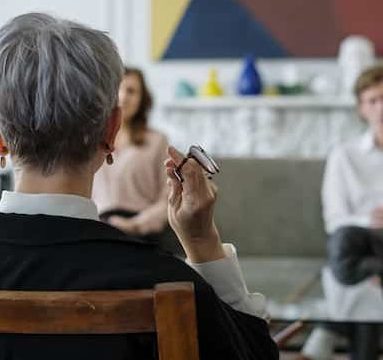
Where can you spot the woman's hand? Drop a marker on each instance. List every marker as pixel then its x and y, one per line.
pixel 190 210
pixel 127 225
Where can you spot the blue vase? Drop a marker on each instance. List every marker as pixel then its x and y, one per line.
pixel 250 82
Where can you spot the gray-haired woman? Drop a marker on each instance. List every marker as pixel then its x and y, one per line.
pixel 58 121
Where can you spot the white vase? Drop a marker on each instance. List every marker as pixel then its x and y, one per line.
pixel 356 53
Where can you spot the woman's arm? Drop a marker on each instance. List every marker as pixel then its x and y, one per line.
pixel 152 219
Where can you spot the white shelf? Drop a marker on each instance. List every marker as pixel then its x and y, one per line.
pixel 290 102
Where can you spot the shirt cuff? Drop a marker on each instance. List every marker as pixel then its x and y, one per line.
pixel 225 276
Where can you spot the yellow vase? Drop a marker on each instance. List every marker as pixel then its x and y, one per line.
pixel 212 86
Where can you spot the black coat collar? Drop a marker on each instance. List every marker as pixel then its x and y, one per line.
pixel 48 229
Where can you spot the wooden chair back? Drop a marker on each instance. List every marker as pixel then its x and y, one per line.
pixel 168 309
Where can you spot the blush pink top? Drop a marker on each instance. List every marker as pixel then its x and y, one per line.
pixel 136 181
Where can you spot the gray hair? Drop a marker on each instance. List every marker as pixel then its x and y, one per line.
pixel 58 86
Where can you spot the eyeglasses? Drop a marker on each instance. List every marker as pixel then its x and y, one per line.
pixel 203 159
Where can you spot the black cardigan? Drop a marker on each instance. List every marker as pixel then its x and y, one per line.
pixel 41 252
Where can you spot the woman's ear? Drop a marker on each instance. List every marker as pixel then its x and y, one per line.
pixel 3 147
pixel 112 126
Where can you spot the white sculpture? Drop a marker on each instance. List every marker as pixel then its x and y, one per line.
pixel 356 53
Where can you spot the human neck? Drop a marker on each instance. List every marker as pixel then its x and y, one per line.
pixel 61 182
pixel 122 138
pixel 378 139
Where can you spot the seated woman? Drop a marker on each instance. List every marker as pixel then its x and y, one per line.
pixel 131 193
pixel 58 120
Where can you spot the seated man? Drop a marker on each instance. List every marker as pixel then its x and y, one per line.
pixel 352 197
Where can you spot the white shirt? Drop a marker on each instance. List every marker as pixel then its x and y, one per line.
pixel 353 183
pixel 224 275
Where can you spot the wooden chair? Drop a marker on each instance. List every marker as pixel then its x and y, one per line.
pixel 166 310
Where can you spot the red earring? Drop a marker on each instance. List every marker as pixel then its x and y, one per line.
pixel 3 162
pixel 109 159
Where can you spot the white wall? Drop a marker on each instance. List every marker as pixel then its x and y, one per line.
pixel 92 12
pixel 105 15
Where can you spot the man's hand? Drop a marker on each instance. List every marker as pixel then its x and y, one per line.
pixel 377 218
pixel 376 280
pixel 190 210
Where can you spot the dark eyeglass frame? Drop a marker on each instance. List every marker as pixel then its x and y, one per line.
pixel 197 153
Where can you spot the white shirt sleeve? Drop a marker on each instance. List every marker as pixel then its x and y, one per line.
pixel 225 276
pixel 335 199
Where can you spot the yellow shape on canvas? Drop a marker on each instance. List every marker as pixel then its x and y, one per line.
pixel 166 16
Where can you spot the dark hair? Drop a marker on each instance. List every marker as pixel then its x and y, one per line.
pixel 138 125
pixel 370 77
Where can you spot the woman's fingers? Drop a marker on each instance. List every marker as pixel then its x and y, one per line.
pixel 175 188
pixel 175 155
pixel 197 190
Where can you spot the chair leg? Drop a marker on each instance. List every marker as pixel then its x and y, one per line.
pixel 176 322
